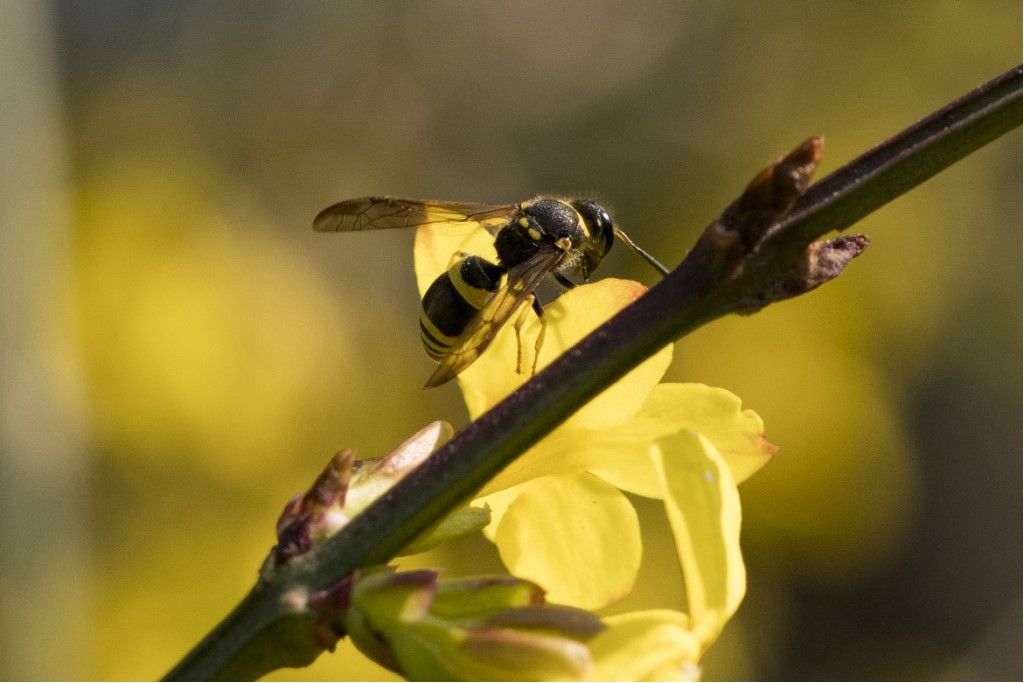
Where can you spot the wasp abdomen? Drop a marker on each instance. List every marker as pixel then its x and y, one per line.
pixel 453 299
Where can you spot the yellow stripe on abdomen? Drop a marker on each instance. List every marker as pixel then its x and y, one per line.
pixel 434 340
pixel 474 296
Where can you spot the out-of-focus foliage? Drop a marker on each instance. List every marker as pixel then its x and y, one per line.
pixel 207 312
pixel 227 350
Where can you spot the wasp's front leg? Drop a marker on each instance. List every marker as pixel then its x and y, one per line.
pixel 564 281
pixel 519 324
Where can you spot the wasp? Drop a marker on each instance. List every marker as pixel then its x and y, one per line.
pixel 466 306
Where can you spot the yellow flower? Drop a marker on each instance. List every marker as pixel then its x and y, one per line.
pixel 652 645
pixel 559 517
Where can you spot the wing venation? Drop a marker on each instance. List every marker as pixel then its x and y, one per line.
pixel 388 213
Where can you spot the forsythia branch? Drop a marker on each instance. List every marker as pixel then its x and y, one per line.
pixel 761 249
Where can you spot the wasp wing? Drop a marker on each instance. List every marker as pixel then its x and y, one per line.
pixel 522 280
pixel 385 213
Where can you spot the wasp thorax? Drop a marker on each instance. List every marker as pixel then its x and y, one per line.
pixel 542 222
pixel 555 220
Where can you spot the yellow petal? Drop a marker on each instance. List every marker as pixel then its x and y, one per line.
pixel 645 646
pixel 434 247
pixel 703 509
pixel 582 310
pixel 498 503
pixel 717 415
pixel 494 375
pixel 569 318
pixel 619 454
pixel 577 537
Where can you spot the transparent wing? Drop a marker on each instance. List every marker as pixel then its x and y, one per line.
pixel 386 213
pixel 522 280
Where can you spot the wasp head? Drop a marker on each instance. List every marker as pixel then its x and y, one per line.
pixel 600 233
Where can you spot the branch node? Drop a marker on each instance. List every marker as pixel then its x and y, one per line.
pixel 309 514
pixel 767 198
pixel 822 261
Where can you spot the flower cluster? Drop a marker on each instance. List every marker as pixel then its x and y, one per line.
pixel 559 516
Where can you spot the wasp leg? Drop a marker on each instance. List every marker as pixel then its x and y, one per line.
pixel 564 281
pixel 537 308
pixel 456 257
pixel 539 343
pixel 521 320
pixel 519 324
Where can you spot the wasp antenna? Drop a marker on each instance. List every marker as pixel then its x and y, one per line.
pixel 655 263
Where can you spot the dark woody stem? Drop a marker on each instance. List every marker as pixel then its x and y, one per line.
pixel 762 249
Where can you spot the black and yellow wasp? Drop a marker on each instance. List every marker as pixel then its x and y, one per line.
pixel 467 304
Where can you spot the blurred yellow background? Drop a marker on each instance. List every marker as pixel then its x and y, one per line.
pixel 181 353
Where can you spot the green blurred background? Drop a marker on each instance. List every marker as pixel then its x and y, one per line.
pixel 181 353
